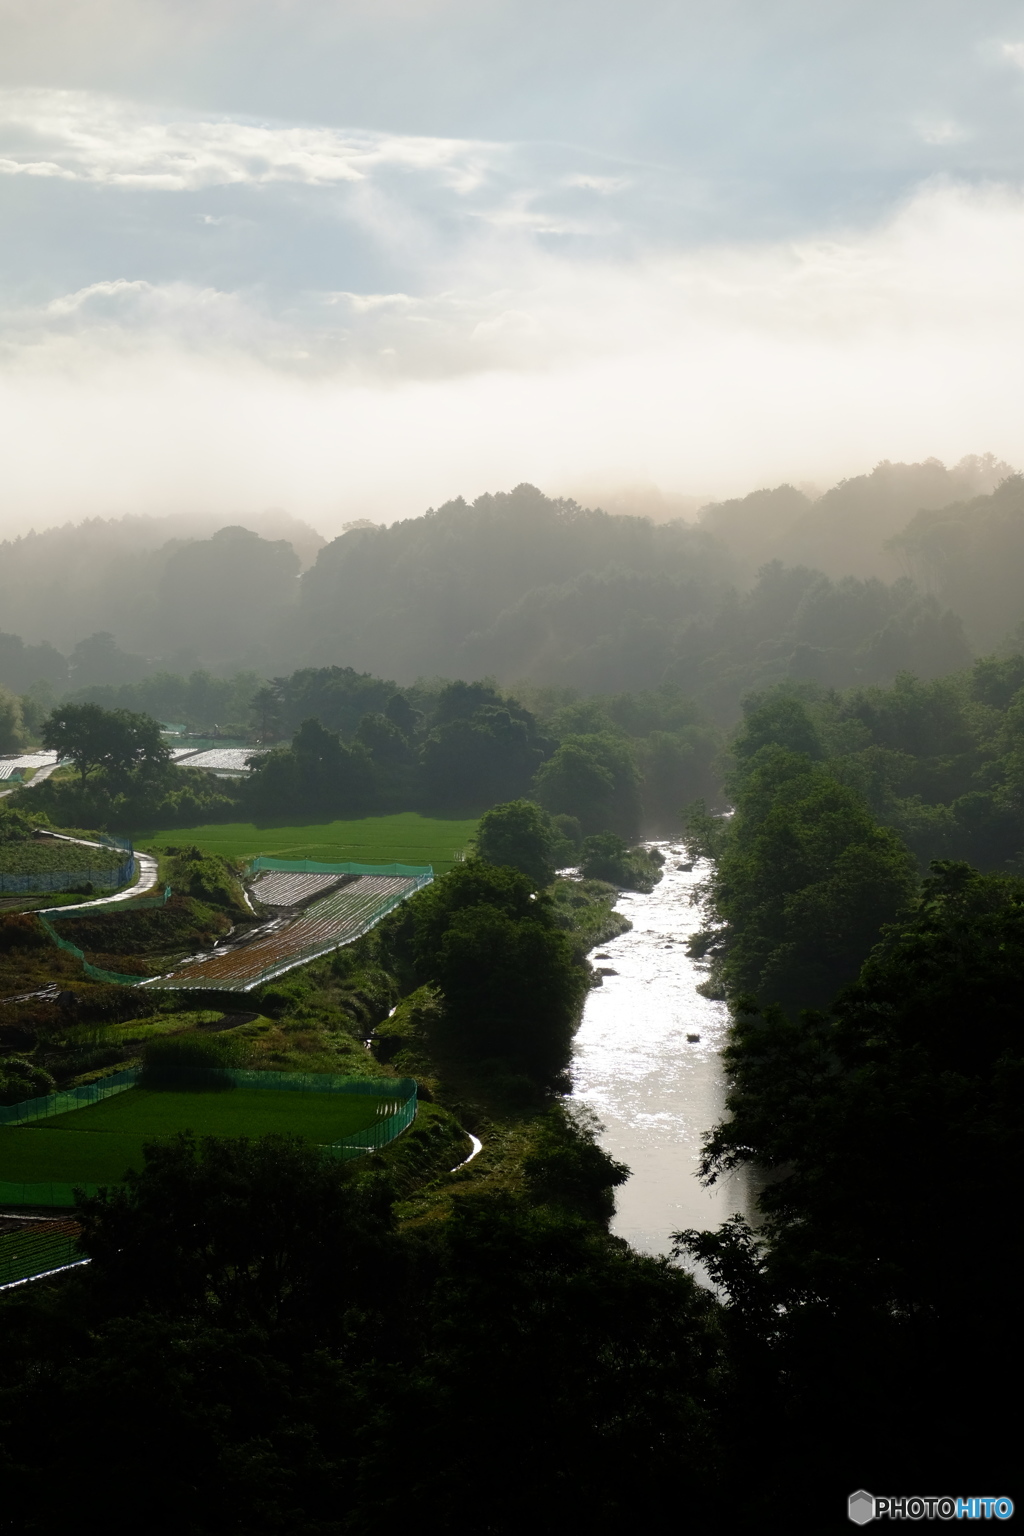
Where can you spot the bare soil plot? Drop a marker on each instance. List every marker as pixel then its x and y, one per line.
pixel 332 921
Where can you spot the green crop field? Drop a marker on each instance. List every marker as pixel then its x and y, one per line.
pixel 100 1142
pixel 32 858
pixel 407 838
pixel 28 1156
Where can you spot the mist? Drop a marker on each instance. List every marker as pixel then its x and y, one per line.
pixel 257 262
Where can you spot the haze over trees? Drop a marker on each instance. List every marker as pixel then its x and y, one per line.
pixel 911 567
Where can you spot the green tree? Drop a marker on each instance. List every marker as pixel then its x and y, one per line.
pixel 12 728
pixel 512 991
pixel 318 772
pixel 593 778
pixel 385 742
pixel 261 1232
pixel 607 857
pixel 266 710
pixel 475 761
pixel 777 720
pixel 520 835
pixel 472 884
pixel 890 1128
pixel 116 740
pixel 511 982
pixel 805 881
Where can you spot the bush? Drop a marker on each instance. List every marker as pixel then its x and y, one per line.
pixel 197 1063
pixel 206 878
pixel 568 1168
pixel 606 857
pixel 20 1079
pixel 20 931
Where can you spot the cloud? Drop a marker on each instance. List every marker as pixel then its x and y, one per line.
pixel 605 185
pixel 941 131
pixel 686 247
pixel 714 370
pixel 80 136
pixel 945 266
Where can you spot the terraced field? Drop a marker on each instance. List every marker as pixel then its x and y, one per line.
pixel 328 923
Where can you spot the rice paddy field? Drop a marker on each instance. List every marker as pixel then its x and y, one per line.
pixel 99 1143
pixel 406 838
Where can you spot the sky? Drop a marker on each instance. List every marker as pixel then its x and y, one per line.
pixel 354 259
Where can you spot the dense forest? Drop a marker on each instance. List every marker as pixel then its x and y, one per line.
pixel 912 567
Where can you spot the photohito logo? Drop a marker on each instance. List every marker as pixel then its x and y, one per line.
pixel 864 1506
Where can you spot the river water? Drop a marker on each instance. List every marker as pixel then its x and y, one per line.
pixel 656 1091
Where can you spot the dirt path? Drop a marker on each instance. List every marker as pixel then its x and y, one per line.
pixel 148 875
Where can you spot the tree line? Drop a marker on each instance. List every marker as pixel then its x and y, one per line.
pixel 614 766
pixel 774 585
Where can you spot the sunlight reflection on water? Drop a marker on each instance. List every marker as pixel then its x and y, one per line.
pixel 655 1092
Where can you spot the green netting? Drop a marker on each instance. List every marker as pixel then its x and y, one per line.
pixel 311 867
pixel 67 879
pixel 136 902
pixel 37 1249
pixel 401 1090
pixel 70 1098
pixel 95 971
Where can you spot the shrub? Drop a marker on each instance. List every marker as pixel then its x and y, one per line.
pixel 606 857
pixel 20 931
pixel 194 1062
pixel 21 1079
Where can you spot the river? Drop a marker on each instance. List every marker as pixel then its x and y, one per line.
pixel 656 1091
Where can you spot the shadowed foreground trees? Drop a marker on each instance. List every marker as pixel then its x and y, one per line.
pixel 892 1132
pixel 268 1354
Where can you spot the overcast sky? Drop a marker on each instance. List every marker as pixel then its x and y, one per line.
pixel 353 259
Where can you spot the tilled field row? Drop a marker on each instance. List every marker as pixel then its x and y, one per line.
pixel 332 921
pixel 287 888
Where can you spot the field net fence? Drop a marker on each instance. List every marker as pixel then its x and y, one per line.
pixel 312 867
pixel 96 972
pixel 398 1097
pixel 71 1098
pixel 68 879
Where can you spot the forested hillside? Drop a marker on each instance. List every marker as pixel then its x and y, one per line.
pixel 841 803
pixel 913 567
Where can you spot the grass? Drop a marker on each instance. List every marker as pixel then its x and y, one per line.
pixel 320 1117
pixel 97 1144
pixel 67 1157
pixel 407 838
pixel 141 1029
